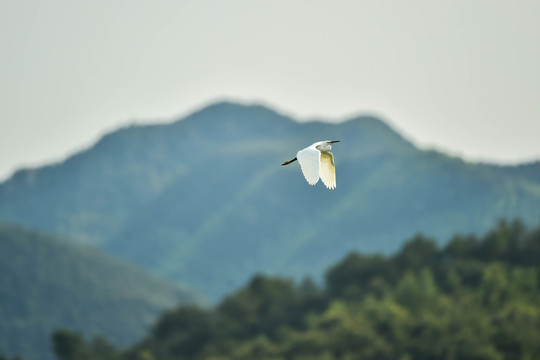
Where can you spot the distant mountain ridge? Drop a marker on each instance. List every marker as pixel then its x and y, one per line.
pixel 47 284
pixel 204 199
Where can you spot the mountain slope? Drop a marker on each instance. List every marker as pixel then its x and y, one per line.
pixel 204 200
pixel 46 284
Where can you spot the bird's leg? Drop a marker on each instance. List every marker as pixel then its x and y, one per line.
pixel 288 162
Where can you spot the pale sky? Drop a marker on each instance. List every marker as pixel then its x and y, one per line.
pixel 459 75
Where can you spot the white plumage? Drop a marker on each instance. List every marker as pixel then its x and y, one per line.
pixel 317 162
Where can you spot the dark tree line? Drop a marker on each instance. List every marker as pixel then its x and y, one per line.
pixel 474 298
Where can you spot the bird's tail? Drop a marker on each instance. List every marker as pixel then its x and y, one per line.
pixel 288 162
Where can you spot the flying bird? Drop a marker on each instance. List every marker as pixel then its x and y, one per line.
pixel 316 161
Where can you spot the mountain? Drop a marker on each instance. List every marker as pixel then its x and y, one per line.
pixel 204 200
pixel 47 284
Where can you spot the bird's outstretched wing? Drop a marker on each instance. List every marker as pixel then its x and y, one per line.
pixel 310 162
pixel 328 170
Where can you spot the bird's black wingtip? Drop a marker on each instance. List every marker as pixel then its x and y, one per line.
pixel 288 162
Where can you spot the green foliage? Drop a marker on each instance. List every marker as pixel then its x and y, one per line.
pixel 162 195
pixel 67 345
pixel 476 298
pixel 71 346
pixel 46 283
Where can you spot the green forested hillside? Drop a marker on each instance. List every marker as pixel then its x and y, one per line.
pixel 205 201
pixel 474 298
pixel 46 284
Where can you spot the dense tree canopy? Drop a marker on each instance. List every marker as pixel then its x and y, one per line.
pixel 476 298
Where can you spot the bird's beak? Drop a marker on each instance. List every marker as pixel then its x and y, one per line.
pixel 334 141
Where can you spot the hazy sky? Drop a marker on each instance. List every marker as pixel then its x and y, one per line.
pixel 462 76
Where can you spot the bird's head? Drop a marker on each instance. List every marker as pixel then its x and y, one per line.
pixel 326 145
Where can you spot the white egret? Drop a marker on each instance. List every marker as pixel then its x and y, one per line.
pixel 316 161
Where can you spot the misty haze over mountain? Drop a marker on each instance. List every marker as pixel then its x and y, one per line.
pixel 203 201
